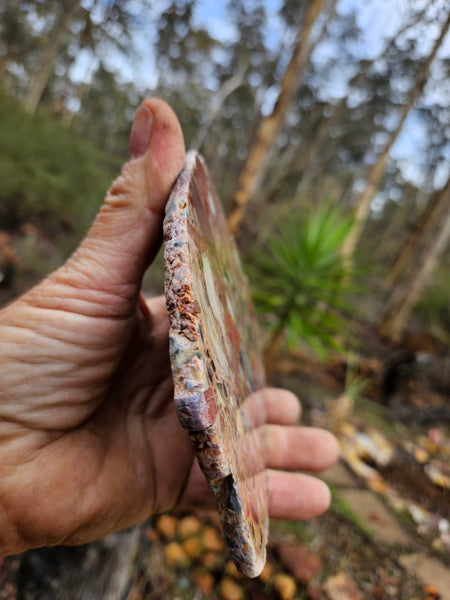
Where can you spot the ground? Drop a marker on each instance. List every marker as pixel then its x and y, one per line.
pixel 377 541
pixel 387 534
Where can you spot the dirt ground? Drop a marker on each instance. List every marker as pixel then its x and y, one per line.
pixel 385 537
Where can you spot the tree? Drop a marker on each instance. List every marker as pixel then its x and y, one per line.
pixel 39 78
pixel 106 109
pixel 298 281
pixel 71 28
pixel 419 257
pixel 377 170
pixel 412 242
pixel 270 126
pixel 16 37
pixel 186 64
pixel 216 106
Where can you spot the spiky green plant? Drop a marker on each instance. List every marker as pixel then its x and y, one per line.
pixel 300 280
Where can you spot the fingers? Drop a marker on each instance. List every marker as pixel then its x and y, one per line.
pixel 293 496
pixel 127 231
pixel 296 496
pixel 156 308
pixel 272 405
pixel 292 448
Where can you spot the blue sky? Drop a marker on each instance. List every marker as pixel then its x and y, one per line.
pixel 378 20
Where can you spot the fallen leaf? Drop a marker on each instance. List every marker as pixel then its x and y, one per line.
pixel 285 586
pixel 341 587
pixel 188 526
pixel 166 525
pixel 230 589
pixel 175 555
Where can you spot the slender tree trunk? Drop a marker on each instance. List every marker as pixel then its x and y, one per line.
pixel 266 137
pixel 414 238
pixel 39 79
pixel 377 170
pixel 216 106
pixel 434 240
pixel 287 161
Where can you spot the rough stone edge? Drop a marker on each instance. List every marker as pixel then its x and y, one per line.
pixel 185 351
pixel 186 364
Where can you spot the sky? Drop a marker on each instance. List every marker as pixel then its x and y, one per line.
pixel 378 20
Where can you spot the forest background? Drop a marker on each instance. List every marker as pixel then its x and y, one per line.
pixel 295 106
pixel 325 125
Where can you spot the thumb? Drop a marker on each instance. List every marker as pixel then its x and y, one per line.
pixel 126 234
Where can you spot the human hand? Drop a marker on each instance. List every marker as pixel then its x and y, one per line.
pixel 89 439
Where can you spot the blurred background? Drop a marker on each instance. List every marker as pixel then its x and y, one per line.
pixel 325 125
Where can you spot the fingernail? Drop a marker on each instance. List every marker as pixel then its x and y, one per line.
pixel 141 131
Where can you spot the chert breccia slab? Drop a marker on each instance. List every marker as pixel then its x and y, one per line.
pixel 216 360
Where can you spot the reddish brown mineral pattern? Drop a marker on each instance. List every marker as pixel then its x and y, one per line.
pixel 216 360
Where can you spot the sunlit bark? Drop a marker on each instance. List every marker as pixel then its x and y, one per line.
pixel 259 153
pixel 423 255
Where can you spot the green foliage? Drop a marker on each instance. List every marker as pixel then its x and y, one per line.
pixel 48 175
pixel 355 385
pixel 108 55
pixel 299 529
pixel 106 111
pixel 300 279
pixel 342 508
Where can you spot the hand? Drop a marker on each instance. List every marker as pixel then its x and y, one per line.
pixel 89 439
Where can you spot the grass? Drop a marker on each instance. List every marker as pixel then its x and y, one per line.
pixel 343 509
pixel 298 528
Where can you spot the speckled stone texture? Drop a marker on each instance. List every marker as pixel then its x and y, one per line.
pixel 216 360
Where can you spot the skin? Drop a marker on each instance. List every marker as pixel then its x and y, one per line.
pixel 89 439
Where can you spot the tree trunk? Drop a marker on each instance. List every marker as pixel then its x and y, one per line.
pixel 216 106
pixel 414 238
pixel 290 159
pixel 258 156
pixel 39 79
pixel 377 170
pixel 435 237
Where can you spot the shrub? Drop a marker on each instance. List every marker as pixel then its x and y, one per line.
pixel 48 175
pixel 300 279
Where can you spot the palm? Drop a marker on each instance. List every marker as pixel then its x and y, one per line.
pixel 89 438
pixel 104 441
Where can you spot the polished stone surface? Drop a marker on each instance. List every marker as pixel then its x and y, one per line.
pixel 216 360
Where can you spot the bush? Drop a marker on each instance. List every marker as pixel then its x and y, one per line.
pixel 48 176
pixel 300 279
